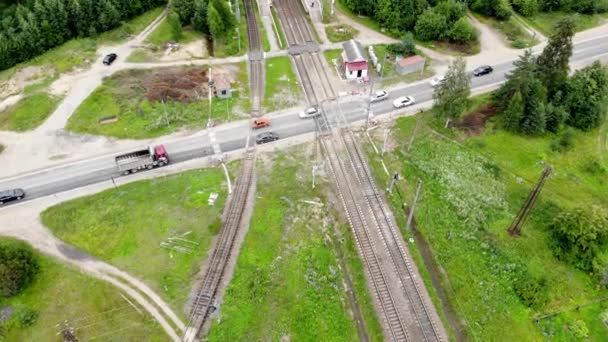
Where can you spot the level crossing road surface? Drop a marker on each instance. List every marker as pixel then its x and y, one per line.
pixel 233 136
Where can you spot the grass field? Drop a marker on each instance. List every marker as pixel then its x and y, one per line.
pixel 29 112
pixel 281 89
pixel 472 189
pixel 78 52
pixel 162 34
pixel 93 307
pixel 126 226
pixel 287 282
pixel 545 21
pixel 123 95
pixel 340 33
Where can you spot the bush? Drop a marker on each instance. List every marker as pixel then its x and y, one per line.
pixel 18 267
pixel 462 31
pixel 431 25
pixel 531 291
pixel 579 235
pixel 406 47
pixel 594 167
pixel 527 8
pixel 452 10
pixel 564 142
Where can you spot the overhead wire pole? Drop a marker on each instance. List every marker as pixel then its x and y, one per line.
pixel 524 211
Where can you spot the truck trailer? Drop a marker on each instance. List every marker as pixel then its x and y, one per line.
pixel 148 158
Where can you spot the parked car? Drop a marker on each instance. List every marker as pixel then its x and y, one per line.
pixel 378 96
pixel 109 58
pixel 482 70
pixel 260 123
pixel 403 101
pixel 437 81
pixel 11 195
pixel 310 112
pixel 266 137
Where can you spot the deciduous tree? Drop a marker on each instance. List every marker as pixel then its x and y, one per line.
pixel 451 97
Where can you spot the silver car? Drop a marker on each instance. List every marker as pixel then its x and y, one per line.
pixel 379 96
pixel 309 112
pixel 404 101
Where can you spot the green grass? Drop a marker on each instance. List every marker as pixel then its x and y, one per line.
pixel 471 192
pixel 126 226
pixel 281 89
pixel 28 113
pixel 340 33
pixel 287 283
pixel 123 95
pixel 512 30
pixel 545 21
pixel 95 308
pixel 279 28
pixel 162 34
pixel 365 21
pixel 2 147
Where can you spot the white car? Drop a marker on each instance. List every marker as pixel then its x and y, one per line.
pixel 403 101
pixel 309 112
pixel 378 96
pixel 437 81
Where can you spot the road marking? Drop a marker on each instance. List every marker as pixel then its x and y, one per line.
pixel 214 144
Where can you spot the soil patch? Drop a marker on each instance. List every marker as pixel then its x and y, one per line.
pixel 183 85
pixel 474 123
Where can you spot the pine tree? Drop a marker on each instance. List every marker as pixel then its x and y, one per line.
pixel 185 10
pixel 514 113
pixel 199 20
pixel 216 24
pixel 229 21
pixel 533 121
pixel 108 16
pixel 552 65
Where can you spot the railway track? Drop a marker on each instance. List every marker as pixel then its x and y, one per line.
pixel 395 325
pixel 256 58
pixel 203 303
pixel 428 330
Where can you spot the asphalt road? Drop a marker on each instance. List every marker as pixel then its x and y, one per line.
pixel 234 136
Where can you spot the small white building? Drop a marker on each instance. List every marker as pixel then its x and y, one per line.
pixel 354 63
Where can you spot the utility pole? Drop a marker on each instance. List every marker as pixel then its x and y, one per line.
pixel 411 214
pixel 524 211
pixel 392 183
pixel 409 145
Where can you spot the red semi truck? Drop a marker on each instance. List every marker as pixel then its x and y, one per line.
pixel 148 159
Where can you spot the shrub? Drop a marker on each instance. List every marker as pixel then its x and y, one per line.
pixel 594 167
pixel 18 267
pixel 527 8
pixel 462 31
pixel 531 291
pixel 452 10
pixel 579 235
pixel 431 25
pixel 406 47
pixel 564 142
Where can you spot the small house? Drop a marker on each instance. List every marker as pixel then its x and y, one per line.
pixel 354 63
pixel 221 86
pixel 409 65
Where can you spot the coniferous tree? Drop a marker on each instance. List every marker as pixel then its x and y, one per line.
pixel 514 113
pixel 185 10
pixel 553 66
pixel 199 20
pixel 216 24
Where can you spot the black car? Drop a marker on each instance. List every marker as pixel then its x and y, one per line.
pixel 11 195
pixel 108 59
pixel 267 137
pixel 482 70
